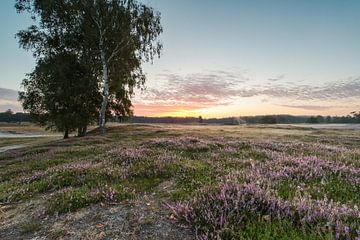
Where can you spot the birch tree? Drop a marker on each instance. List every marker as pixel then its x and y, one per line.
pixel 115 36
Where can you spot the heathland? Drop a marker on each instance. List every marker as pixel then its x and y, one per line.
pixel 183 182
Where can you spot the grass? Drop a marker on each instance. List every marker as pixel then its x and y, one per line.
pixel 70 200
pixel 133 161
pixel 192 175
pixel 30 227
pixel 338 189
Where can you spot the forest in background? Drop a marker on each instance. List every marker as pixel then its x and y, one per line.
pixel 11 117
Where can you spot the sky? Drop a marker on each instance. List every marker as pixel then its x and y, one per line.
pixel 235 58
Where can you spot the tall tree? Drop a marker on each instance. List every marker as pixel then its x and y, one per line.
pixel 115 36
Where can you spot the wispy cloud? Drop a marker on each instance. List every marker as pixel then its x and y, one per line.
pixel 330 91
pixel 8 94
pixel 198 90
pixel 276 78
pixel 307 107
pixel 217 88
pixel 220 88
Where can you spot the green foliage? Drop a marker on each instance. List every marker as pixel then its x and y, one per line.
pixel 142 184
pixel 112 38
pixel 337 189
pixel 286 190
pixel 61 93
pixel 191 177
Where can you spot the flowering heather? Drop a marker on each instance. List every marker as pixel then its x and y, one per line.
pixel 70 167
pixel 230 149
pixel 248 184
pixel 298 147
pixel 124 156
pixel 304 168
pixel 213 214
pixel 109 194
pixel 232 205
pixel 77 166
pixel 35 176
pixel 184 143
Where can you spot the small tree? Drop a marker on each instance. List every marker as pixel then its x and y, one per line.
pixel 61 94
pixel 356 116
pixel 201 120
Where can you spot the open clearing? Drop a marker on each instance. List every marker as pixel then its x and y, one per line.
pixel 183 182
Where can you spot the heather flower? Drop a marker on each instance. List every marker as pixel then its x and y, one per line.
pixel 77 166
pixel 108 193
pixel 184 143
pixel 35 176
pixel 209 214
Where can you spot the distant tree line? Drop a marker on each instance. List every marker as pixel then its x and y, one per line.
pixel 354 117
pixel 265 119
pixel 10 117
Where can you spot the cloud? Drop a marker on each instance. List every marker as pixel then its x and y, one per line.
pixel 8 94
pixel 197 90
pixel 329 91
pixel 276 78
pixel 221 87
pixel 307 107
pixel 8 100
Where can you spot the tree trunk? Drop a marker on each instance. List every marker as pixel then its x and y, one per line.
pixel 82 131
pixel 66 134
pixel 105 92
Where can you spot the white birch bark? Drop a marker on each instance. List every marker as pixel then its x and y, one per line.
pixel 105 91
pixel 105 71
pixel 105 81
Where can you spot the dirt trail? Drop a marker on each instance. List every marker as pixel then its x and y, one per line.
pixel 11 147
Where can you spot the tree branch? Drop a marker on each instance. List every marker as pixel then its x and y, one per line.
pixel 118 48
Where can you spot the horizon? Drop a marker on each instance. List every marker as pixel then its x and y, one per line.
pixel 254 58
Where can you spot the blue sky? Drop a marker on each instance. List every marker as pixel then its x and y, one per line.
pixel 232 57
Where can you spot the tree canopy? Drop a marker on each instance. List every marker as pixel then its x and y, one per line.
pixel 61 93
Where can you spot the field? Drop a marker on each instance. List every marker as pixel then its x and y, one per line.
pixel 184 182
